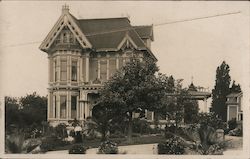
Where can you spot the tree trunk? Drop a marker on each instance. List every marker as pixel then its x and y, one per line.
pixel 130 131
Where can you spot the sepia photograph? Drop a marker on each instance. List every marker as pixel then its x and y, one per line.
pixel 125 78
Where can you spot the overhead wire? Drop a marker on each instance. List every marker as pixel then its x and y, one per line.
pixel 130 28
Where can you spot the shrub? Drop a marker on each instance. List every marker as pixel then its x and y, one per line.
pixel 212 120
pixel 77 149
pixel 52 142
pixel 141 126
pixel 232 124
pixel 171 146
pixel 117 134
pixel 108 147
pixel 61 130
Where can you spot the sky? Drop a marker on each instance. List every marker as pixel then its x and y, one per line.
pixel 193 48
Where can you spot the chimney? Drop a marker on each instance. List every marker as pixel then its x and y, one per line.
pixel 65 9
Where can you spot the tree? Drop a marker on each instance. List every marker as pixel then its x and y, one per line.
pixel 26 114
pixel 235 88
pixel 221 90
pixel 12 117
pixel 134 89
pixel 173 102
pixel 191 110
pixel 34 109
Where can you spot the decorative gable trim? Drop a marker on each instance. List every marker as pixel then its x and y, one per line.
pixel 127 39
pixel 65 20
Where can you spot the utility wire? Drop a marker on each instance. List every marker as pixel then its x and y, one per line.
pixel 198 18
pixel 130 28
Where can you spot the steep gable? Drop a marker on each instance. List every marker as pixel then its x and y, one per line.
pixel 64 20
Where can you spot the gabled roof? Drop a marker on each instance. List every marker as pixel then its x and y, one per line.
pixel 105 34
pixel 145 31
pixel 235 94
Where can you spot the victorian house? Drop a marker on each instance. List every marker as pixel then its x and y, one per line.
pixel 82 55
pixel 234 106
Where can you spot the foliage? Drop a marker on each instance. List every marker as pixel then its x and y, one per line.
pixel 221 90
pixel 171 146
pixel 103 117
pixel 14 143
pixel 28 115
pixel 90 128
pixel 235 88
pixel 117 134
pixel 52 142
pixel 108 147
pixel 77 149
pixel 61 130
pixel 191 110
pixel 232 124
pixel 212 120
pixel 134 89
pixel 141 126
pixel 172 103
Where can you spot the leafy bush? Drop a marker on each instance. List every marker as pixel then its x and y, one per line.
pixel 61 130
pixel 141 126
pixel 212 120
pixel 171 146
pixel 52 142
pixel 108 147
pixel 77 149
pixel 232 124
pixel 117 134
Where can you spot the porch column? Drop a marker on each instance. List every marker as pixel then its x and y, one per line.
pixel 205 104
pixel 49 106
pixel 58 106
pixel 80 70
pixel 87 67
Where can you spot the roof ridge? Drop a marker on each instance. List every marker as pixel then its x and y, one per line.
pixel 105 18
pixel 140 26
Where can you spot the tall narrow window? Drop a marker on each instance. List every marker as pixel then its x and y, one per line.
pixel 63 70
pixel 103 69
pixel 112 67
pixel 54 107
pixel 120 62
pixel 73 107
pixel 93 69
pixel 63 107
pixel 74 71
pixel 55 70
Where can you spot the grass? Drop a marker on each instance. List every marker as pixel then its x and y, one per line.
pixel 95 143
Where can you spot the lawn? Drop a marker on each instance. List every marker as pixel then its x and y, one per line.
pixel 95 143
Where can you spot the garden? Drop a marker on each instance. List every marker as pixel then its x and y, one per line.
pixel 135 89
